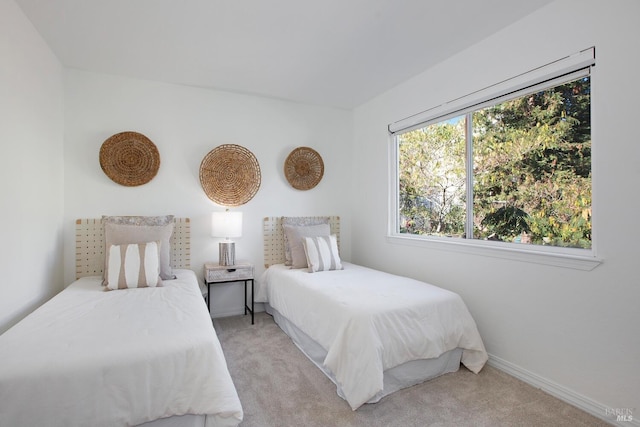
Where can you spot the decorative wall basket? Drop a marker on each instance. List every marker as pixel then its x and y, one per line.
pixel 129 158
pixel 303 168
pixel 230 175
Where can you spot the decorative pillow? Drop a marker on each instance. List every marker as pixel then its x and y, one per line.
pixel 299 221
pixel 134 265
pixel 125 230
pixel 295 234
pixel 322 253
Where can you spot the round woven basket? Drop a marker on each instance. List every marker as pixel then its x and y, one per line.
pixel 129 158
pixel 230 175
pixel 303 168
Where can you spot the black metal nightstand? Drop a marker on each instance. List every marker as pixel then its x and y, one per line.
pixel 240 272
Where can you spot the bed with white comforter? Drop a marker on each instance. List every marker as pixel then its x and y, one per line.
pixel 368 322
pixel 89 357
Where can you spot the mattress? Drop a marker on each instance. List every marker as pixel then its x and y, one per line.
pixel 117 358
pixel 369 322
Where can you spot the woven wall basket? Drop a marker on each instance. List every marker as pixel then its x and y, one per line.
pixel 303 168
pixel 230 175
pixel 129 158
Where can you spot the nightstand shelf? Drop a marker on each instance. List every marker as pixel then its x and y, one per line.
pixel 240 272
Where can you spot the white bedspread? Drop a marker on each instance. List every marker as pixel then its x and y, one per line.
pixel 120 358
pixel 369 321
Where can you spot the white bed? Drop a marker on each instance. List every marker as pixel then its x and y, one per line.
pixel 370 332
pixel 118 358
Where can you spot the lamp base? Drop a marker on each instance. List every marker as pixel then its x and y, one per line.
pixel 227 253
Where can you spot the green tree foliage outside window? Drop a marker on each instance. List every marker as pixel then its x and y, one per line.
pixel 531 178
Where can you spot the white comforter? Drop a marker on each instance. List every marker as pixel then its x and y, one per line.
pixel 94 358
pixel 369 321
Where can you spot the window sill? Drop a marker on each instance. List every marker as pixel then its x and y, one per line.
pixel 563 257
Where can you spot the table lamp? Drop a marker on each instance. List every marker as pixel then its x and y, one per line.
pixel 226 224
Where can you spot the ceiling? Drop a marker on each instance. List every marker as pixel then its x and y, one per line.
pixel 336 53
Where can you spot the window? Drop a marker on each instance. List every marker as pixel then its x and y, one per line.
pixel 511 164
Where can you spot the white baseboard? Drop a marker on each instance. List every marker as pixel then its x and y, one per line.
pixel 592 407
pixel 227 313
pixel 237 311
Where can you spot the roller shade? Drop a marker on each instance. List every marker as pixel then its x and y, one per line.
pixel 553 74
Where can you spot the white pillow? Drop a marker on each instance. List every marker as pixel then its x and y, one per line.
pixel 295 234
pixel 134 265
pixel 322 253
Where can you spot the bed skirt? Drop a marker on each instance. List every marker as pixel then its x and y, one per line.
pixel 402 376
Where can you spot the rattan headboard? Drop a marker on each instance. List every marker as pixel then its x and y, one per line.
pixel 90 246
pixel 273 236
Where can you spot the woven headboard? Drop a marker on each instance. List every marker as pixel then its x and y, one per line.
pixel 273 236
pixel 90 246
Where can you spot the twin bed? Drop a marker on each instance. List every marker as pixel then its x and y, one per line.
pixel 137 356
pixel 370 332
pixel 150 356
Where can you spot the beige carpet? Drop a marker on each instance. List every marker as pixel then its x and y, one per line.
pixel 279 386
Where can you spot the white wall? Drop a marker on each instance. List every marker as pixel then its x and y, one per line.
pixel 572 329
pixel 31 167
pixel 185 123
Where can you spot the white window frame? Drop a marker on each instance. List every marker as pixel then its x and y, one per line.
pixel 562 70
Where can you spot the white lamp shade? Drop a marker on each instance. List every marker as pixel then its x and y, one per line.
pixel 226 224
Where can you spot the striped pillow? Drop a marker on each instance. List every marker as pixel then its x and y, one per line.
pixel 135 265
pixel 322 253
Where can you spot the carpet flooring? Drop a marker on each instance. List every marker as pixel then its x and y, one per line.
pixel 279 386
